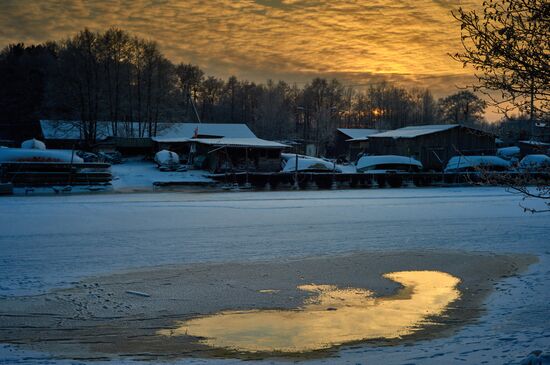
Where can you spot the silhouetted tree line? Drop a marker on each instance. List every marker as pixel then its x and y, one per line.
pixel 114 76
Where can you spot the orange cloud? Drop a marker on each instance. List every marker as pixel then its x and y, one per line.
pixel 406 41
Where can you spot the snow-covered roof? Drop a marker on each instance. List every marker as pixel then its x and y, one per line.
pixel 414 131
pixel 237 142
pixel 370 162
pixel 70 129
pixel 457 163
pixel 171 132
pixel 358 133
pixel 181 132
pixel 535 143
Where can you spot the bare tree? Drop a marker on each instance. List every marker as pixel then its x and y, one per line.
pixel 508 44
pixel 189 80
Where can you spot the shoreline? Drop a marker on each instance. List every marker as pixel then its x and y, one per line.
pixel 99 318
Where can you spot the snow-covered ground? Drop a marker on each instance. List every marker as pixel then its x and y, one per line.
pixel 136 174
pixel 52 241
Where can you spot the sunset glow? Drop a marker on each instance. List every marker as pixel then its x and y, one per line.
pixel 356 41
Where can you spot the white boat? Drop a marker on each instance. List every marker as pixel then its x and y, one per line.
pixel 474 163
pixel 386 163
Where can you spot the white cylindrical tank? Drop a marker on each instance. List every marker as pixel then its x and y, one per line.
pixel 167 158
pixel 33 144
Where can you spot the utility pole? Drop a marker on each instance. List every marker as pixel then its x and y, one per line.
pixel 532 111
pixel 194 108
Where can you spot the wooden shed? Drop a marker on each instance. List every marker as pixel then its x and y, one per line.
pixel 220 155
pixel 221 147
pixel 349 142
pixel 531 147
pixel 433 145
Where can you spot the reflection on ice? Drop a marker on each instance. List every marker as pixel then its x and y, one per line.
pixel 331 317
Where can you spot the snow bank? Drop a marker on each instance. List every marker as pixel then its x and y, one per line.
pixel 388 162
pixel 167 158
pixel 38 155
pixel 535 162
pixel 465 163
pixel 33 144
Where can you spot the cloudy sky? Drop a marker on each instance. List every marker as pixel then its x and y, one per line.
pixel 357 41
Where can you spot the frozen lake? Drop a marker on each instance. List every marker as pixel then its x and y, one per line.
pixel 51 241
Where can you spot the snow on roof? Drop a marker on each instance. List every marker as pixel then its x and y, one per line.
pixel 414 131
pixel 64 129
pixel 457 163
pixel 237 142
pixel 535 143
pixel 180 132
pixel 71 129
pixel 358 133
pixel 370 162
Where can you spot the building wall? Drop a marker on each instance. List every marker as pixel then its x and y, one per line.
pixel 434 150
pixel 341 147
pixel 234 160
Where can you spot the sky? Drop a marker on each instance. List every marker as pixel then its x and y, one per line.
pixel 356 41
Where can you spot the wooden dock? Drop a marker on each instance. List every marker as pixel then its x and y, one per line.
pixel 330 180
pixel 54 173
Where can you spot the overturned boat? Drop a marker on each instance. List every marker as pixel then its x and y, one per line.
pixel 388 163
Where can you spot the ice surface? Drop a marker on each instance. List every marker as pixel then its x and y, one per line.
pixel 51 241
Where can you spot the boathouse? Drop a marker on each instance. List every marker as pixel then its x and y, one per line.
pixel 433 145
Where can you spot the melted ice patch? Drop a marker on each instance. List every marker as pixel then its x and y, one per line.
pixel 331 317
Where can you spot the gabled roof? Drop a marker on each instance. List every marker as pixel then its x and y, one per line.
pixel 415 131
pixel 180 132
pixel 166 132
pixel 358 133
pixel 238 142
pixel 70 129
pixel 535 143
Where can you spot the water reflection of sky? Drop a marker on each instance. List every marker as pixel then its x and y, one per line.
pixel 331 317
